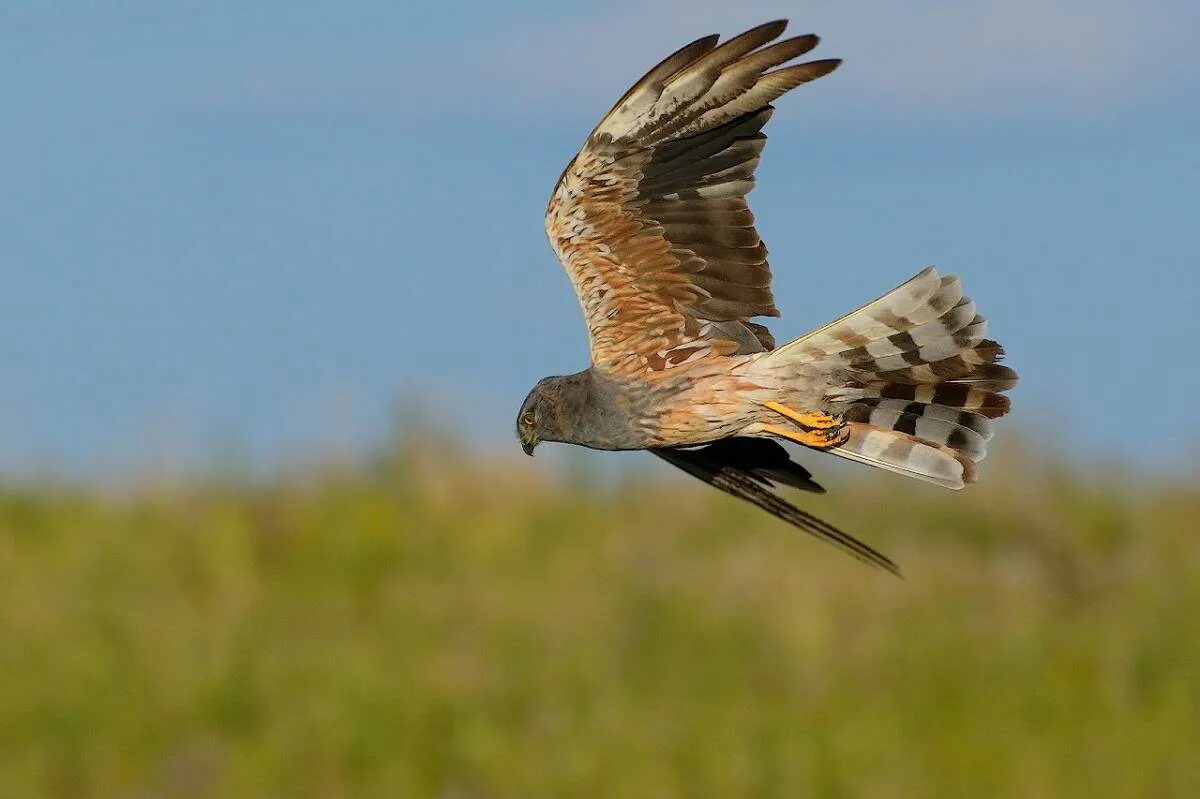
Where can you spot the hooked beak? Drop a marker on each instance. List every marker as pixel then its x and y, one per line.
pixel 528 445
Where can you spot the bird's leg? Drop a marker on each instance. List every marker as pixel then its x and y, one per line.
pixel 818 430
pixel 817 439
pixel 809 420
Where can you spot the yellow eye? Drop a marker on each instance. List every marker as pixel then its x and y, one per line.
pixel 527 420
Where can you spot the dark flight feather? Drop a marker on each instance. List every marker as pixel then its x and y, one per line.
pixel 747 468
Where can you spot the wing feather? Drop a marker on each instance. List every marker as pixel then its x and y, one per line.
pixel 650 219
pixel 747 468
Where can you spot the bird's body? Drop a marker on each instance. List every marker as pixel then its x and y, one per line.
pixel 701 402
pixel 651 222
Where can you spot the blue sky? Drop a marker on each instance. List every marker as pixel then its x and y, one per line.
pixel 264 229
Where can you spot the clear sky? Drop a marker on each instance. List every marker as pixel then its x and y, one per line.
pixel 265 227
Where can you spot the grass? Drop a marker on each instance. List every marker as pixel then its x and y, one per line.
pixel 443 626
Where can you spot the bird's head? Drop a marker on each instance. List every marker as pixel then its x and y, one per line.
pixel 555 410
pixel 551 411
pixel 532 419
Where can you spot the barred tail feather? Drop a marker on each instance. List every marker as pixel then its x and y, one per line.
pixel 918 381
pixel 866 333
pixel 906 454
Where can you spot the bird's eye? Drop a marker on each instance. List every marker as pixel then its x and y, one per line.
pixel 527 420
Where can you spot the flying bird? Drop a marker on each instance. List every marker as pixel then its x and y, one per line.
pixel 651 223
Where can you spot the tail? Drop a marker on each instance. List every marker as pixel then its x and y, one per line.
pixel 916 380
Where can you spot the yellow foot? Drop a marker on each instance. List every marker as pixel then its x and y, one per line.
pixel 809 420
pixel 817 429
pixel 817 439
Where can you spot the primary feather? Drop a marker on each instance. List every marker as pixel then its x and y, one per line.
pixel 650 219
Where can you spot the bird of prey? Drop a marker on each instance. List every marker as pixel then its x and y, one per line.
pixel 651 223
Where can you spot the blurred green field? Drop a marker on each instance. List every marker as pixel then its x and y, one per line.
pixel 434 625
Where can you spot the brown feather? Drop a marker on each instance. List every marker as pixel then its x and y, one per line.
pixel 747 477
pixel 650 218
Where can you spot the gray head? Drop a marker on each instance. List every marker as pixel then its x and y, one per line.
pixel 552 410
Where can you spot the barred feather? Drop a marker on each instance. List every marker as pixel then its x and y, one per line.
pixel 875 330
pixel 930 427
pixel 907 455
pixel 651 219
pixel 921 381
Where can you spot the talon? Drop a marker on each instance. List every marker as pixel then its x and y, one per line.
pixel 839 435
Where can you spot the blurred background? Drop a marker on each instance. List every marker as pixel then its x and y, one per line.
pixel 276 284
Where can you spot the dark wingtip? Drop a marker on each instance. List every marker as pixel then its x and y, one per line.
pixel 713 465
pixel 826 65
pixel 776 26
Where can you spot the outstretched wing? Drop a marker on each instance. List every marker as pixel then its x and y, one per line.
pixel 748 468
pixel 650 218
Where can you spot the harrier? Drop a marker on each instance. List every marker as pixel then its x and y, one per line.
pixel 650 221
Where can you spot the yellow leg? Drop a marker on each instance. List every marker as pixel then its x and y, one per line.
pixel 817 439
pixel 810 420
